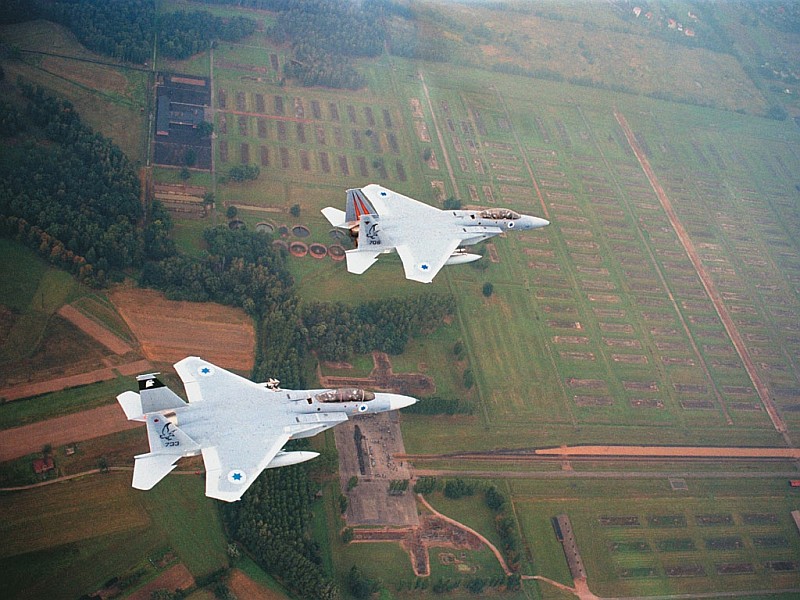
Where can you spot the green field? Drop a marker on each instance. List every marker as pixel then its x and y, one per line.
pixel 75 536
pixel 636 543
pixel 599 330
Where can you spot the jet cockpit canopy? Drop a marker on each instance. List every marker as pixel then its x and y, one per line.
pixel 346 395
pixel 498 214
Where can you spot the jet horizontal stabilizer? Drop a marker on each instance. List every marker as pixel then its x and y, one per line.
pixel 151 468
pixel 335 216
pixel 359 261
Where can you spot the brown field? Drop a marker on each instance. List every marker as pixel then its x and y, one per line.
pixel 90 75
pixel 60 431
pixel 170 330
pixel 176 577
pixel 244 587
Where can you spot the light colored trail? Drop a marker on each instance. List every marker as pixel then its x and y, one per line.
pixel 706 280
pixel 489 544
pixel 439 135
pixel 671 451
pixel 95 330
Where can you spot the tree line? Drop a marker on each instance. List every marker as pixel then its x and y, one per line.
pixel 126 29
pixel 68 192
pixel 336 331
pixel 327 35
pixel 182 33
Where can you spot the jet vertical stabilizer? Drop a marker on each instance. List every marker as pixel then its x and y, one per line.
pixel 357 206
pixel 155 396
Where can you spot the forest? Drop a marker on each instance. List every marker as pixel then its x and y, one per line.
pixel 271 521
pixel 68 192
pixel 125 29
pixel 181 33
pixel 337 331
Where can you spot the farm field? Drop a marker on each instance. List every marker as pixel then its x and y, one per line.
pixel 629 320
pixel 645 542
pixel 78 545
pixel 615 338
pixel 168 331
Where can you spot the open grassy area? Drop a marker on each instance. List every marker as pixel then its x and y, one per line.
pixel 57 540
pixel 637 541
pixel 112 100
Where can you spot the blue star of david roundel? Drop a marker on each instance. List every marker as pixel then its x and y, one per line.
pixel 205 370
pixel 237 476
pixel 424 267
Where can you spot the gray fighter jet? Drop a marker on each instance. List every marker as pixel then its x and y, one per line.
pixel 239 426
pixel 426 238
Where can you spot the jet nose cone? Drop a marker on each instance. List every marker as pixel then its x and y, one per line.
pixel 397 401
pixel 528 222
pixel 537 222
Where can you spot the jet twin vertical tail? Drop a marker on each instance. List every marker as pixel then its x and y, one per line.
pixel 357 206
pixel 156 396
pixel 370 245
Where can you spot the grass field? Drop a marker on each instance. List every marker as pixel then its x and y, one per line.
pixel 108 98
pixel 55 539
pixel 633 542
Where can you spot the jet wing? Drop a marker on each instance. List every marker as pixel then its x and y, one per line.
pixel 204 380
pixel 423 258
pixel 391 204
pixel 233 464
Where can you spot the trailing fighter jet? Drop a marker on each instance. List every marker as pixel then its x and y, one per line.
pixel 426 238
pixel 238 426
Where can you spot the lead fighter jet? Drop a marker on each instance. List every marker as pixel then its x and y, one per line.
pixel 426 238
pixel 238 426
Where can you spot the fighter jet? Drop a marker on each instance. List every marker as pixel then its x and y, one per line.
pixel 426 238
pixel 240 427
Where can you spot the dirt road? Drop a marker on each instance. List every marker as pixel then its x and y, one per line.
pixel 26 390
pixel 78 427
pixel 707 281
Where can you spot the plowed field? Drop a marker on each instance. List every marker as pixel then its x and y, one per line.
pixel 169 330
